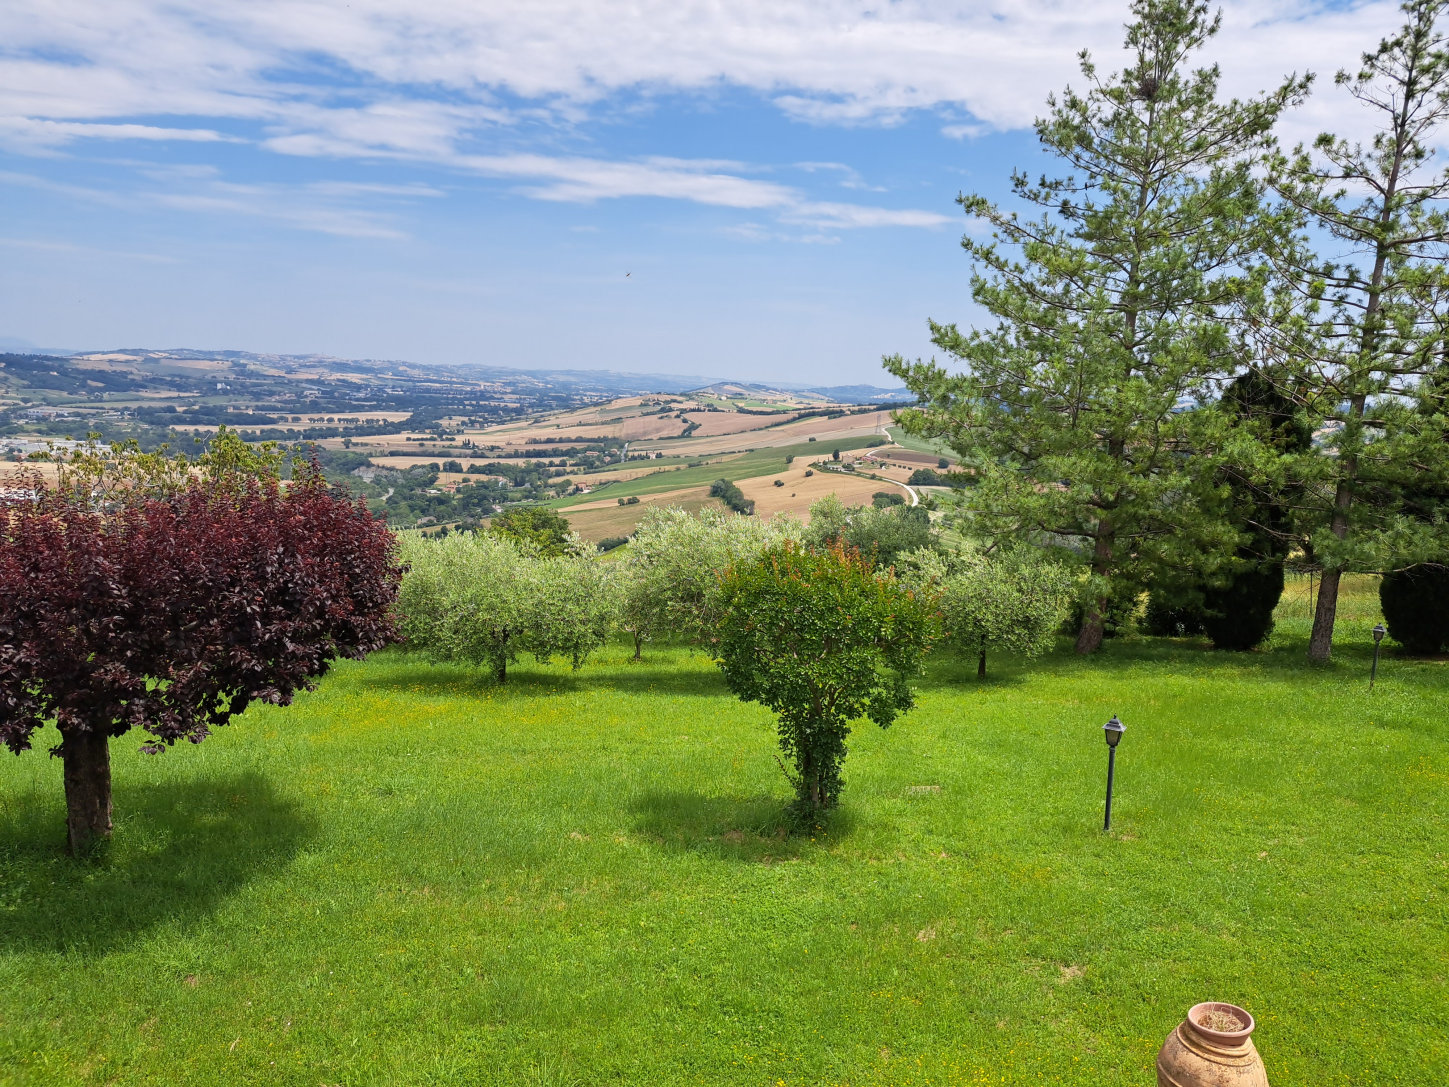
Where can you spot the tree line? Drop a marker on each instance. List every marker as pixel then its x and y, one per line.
pixel 823 623
pixel 1208 354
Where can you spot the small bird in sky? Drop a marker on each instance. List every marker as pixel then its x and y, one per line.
pixel 628 274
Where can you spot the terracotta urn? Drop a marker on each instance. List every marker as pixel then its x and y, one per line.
pixel 1212 1047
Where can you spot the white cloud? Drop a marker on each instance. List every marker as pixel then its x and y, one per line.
pixel 325 207
pixel 44 133
pixel 964 132
pixel 485 87
pixel 45 245
pixel 415 78
pixel 585 180
pixel 844 216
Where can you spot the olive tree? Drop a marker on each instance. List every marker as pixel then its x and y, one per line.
pixel 484 599
pixel 465 597
pixel 670 576
pixel 574 606
pixel 1012 602
pixel 882 533
pixel 822 639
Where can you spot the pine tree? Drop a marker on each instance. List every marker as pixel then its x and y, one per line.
pixel 1110 313
pixel 1237 611
pixel 1364 330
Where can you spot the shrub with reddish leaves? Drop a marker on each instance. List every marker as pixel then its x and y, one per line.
pixel 173 613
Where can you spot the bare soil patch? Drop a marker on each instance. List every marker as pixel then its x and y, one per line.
pixel 798 493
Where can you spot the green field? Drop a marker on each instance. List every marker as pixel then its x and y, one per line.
pixel 734 466
pixel 921 445
pixel 413 877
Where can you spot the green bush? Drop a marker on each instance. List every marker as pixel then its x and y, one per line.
pixel 1416 607
pixel 1239 614
pixel 821 639
pixel 1169 616
pixel 726 491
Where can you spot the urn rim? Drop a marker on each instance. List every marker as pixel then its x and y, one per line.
pixel 1198 1012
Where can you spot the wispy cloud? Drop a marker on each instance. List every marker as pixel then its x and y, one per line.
pixel 849 176
pixel 340 208
pixel 46 245
pixel 373 77
pixel 497 89
pixel 585 180
pixel 46 133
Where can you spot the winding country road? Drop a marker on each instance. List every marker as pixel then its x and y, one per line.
pixel 870 455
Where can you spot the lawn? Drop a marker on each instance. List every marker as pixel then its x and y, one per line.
pixel 413 877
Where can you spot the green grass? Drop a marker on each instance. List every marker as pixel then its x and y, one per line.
pixel 921 445
pixel 413 877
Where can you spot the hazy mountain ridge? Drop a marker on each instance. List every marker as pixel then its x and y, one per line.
pixel 250 374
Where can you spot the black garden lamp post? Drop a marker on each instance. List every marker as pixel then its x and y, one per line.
pixel 1379 633
pixel 1113 729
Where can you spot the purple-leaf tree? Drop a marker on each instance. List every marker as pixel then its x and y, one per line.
pixel 172 612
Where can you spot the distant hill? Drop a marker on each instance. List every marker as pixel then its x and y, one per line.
pixel 290 380
pixel 864 394
pixel 382 383
pixel 825 394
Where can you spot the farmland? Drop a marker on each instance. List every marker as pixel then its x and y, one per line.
pixel 435 447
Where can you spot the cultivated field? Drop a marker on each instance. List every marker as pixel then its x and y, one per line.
pixel 412 877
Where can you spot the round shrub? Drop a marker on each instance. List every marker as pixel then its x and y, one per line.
pixel 1169 617
pixel 1416 607
pixel 1240 614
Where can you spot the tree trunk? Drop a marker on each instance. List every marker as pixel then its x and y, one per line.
pixel 981 661
pixel 810 779
pixel 502 669
pixel 1320 642
pixel 87 758
pixel 1089 638
pixel 1094 623
pixel 638 646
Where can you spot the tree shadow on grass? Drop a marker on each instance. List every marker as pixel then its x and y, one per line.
pixel 638 678
pixel 180 850
pixel 757 829
pixel 526 680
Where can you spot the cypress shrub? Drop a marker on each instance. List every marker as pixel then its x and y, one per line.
pixel 1169 616
pixel 1239 615
pixel 1416 607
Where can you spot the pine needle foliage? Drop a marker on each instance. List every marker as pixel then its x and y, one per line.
pixel 1110 310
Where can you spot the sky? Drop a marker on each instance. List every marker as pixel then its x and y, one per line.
pixel 753 189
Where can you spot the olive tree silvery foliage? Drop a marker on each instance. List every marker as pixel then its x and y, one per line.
pixel 1011 602
pixel 484 599
pixel 670 575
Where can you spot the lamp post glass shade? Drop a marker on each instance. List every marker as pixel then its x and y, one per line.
pixel 1379 633
pixel 1113 730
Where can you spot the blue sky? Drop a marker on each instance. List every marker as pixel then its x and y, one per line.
pixel 459 181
